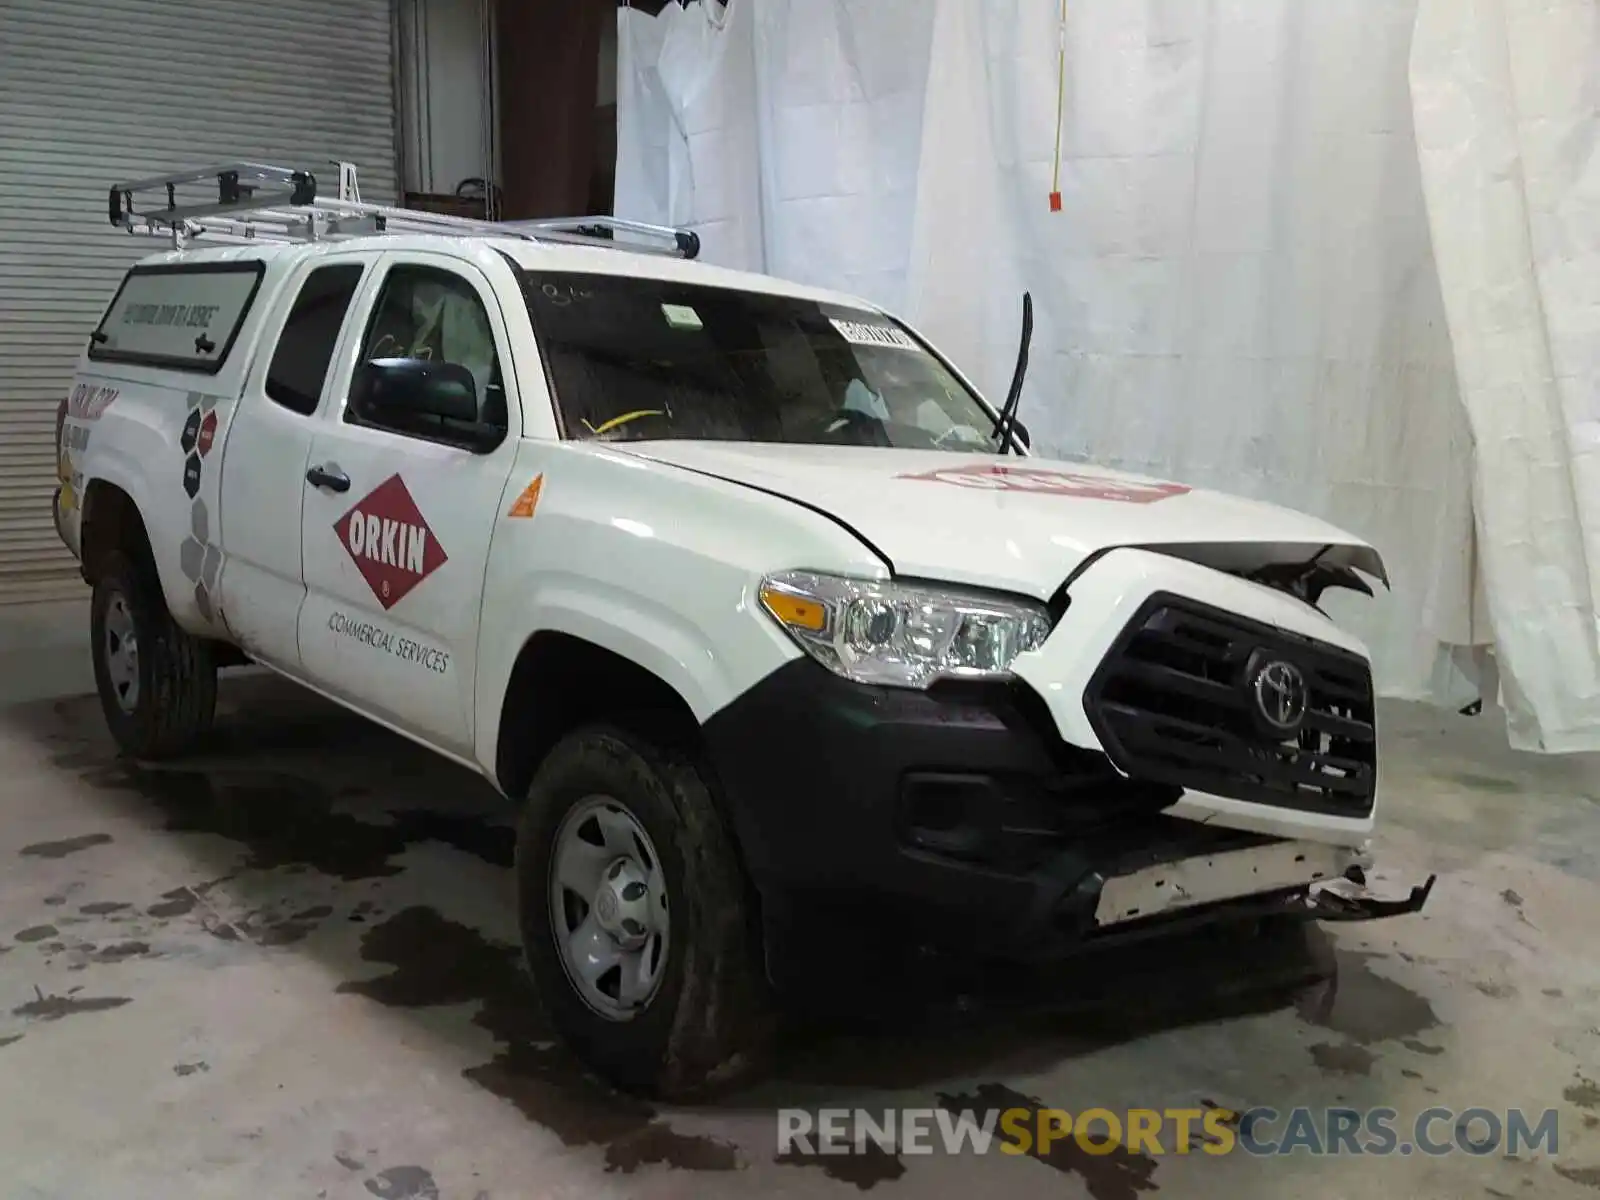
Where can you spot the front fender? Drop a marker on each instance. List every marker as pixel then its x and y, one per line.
pixel 655 563
pixel 706 667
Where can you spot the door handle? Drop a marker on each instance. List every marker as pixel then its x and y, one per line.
pixel 331 478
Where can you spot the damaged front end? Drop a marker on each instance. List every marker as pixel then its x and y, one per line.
pixel 1351 898
pixel 1248 877
pixel 1302 571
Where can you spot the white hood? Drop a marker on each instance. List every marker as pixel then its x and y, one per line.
pixel 1020 524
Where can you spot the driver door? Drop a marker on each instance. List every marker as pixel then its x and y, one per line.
pixel 397 516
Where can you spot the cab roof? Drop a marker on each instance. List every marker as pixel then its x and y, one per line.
pixel 525 253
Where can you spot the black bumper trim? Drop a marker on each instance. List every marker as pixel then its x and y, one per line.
pixel 955 818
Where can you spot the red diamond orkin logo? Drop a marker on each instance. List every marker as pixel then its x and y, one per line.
pixel 389 541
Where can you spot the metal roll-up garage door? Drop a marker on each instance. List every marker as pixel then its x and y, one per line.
pixel 96 91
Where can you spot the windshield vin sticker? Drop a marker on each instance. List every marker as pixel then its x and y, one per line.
pixel 859 333
pixel 995 478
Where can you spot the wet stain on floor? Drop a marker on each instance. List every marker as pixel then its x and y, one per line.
pixel 1108 1172
pixel 63 848
pixel 1343 1060
pixel 10 1041
pixel 175 903
pixel 437 962
pixel 275 820
pixel 36 933
pixel 1365 1006
pixel 866 1167
pixel 1585 1093
pixel 120 952
pixel 291 929
pixel 403 1183
pixel 53 1008
pixel 1417 1047
pixel 285 821
pixel 929 1026
pixel 1586 1176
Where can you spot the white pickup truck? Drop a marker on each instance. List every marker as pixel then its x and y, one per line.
pixel 763 616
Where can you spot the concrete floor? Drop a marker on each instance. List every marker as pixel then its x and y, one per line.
pixel 282 969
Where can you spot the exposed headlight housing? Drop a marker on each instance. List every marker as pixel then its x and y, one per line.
pixel 903 634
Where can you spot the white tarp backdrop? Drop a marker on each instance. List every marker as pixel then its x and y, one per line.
pixel 1238 291
pixel 1508 128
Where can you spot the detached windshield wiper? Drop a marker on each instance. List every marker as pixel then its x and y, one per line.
pixel 1005 425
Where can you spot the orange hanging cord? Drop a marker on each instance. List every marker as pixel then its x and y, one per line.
pixel 1061 100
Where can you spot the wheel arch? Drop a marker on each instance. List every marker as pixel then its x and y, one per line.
pixel 561 681
pixel 112 522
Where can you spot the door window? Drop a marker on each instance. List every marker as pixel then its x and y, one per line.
pixel 437 316
pixel 305 347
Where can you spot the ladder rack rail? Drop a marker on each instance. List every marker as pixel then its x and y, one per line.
pixel 257 203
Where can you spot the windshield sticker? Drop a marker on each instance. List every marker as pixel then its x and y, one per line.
pixel 390 542
pixel 859 333
pixel 681 316
pixel 989 477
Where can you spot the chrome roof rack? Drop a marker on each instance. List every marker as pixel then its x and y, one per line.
pixel 256 203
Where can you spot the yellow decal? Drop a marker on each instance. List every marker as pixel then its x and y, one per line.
pixel 529 500
pixel 64 476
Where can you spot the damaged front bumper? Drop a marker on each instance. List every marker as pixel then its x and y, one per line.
pixel 955 820
pixel 1330 881
pixel 1352 899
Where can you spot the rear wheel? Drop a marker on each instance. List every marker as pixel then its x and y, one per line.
pixel 635 918
pixel 157 683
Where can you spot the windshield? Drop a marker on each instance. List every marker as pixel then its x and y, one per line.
pixel 643 359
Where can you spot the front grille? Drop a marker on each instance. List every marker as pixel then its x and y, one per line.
pixel 1174 703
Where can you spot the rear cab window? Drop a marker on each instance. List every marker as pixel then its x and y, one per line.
pixel 181 316
pixel 300 360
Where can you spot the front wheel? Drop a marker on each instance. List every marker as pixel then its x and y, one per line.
pixel 635 918
pixel 157 684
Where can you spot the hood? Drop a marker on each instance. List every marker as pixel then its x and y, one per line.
pixel 1018 524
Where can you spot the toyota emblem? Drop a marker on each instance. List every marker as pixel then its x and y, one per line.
pixel 1281 695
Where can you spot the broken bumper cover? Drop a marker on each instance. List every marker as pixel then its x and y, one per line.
pixel 1353 900
pixel 1282 879
pixel 1312 879
pixel 956 819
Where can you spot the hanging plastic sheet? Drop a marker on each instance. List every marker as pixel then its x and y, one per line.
pixel 1238 290
pixel 1507 97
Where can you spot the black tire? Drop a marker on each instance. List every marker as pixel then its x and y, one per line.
pixel 177 672
pixel 709 1021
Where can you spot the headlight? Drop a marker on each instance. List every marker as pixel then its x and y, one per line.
pixel 903 634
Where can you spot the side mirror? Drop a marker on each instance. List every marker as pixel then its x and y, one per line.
pixel 399 390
